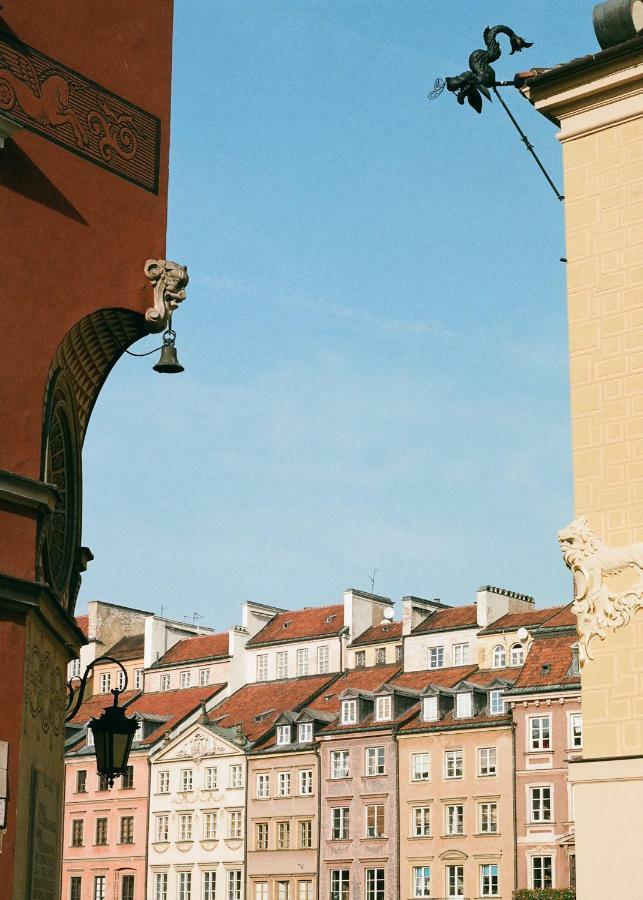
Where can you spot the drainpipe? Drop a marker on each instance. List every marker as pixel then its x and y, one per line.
pixel 515 810
pixel 246 881
pixel 147 823
pixel 396 754
pixel 319 809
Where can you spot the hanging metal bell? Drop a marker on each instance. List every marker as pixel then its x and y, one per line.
pixel 168 362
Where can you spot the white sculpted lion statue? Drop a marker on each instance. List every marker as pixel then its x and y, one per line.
pixel 591 562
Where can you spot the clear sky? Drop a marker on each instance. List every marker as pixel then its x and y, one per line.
pixel 375 331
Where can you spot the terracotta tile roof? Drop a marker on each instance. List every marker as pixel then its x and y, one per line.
pixel 451 721
pixel 446 619
pixel 366 679
pixel 96 704
pixel 484 677
pixel 513 621
pixel 207 646
pixel 548 662
pixel 564 618
pixel 131 647
pixel 83 624
pixel 267 699
pixel 378 634
pixel 417 681
pixel 176 705
pixel 301 624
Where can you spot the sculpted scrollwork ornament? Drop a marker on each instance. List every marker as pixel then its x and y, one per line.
pixel 169 280
pixel 600 603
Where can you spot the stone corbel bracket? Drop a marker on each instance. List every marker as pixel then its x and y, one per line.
pixel 600 607
pixel 169 280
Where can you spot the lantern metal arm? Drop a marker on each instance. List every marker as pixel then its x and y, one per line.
pixel 75 695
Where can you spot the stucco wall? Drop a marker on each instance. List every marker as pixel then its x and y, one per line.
pixel 416 647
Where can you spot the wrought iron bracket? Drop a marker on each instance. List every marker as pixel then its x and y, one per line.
pixel 75 695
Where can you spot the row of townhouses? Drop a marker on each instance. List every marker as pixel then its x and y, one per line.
pixel 330 752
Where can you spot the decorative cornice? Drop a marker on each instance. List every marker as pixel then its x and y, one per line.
pixel 27 494
pixel 24 596
pixel 599 606
pixel 169 280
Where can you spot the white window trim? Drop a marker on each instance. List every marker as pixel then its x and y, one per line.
pixel 426 753
pixel 570 736
pixel 552 808
pixel 531 749
pixel 530 867
pixel 349 712
pixel 386 701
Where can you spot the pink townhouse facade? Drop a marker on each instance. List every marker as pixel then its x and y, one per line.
pixel 546 706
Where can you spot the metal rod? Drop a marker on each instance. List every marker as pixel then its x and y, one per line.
pixel 71 693
pixel 528 144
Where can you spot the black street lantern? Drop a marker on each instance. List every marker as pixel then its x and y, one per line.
pixel 113 732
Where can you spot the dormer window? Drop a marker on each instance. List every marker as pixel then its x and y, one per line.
pixel 430 709
pixel 288 624
pixel 574 669
pixel 383 707
pixel 464 705
pixel 496 703
pixel 499 657
pixel 283 734
pixel 517 655
pixel 349 712
pixel 138 734
pixel 305 732
pixel 331 618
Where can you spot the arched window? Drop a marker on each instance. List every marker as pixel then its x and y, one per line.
pixel 517 655
pixel 499 657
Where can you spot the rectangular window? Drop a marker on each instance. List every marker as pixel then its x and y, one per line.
pixel 455 818
pixel 209 826
pixel 127 829
pixel 186 779
pixel 305 834
pixel 540 733
pixel 103 783
pixel 81 781
pixel 489 881
pixel 89 736
pixel 322 660
pixel 436 657
pixel 375 821
pixel 74 668
pixel 340 884
pixel 380 656
pixel 185 827
pixel 99 887
pixel 162 828
pixel 302 662
pixel 235 824
pixel 339 764
pixel 541 872
pixel 453 764
pixel 340 820
pixel 263 786
pixel 105 683
pixel 121 680
pixel 284 784
pixel 164 782
pixel 576 731
pixel 204 676
pixel 282 664
pixel 421 881
pixel 75 887
pixel 375 884
pixel 455 882
pixel 488 818
pixel 236 777
pixel 420 766
pixel 283 734
pixel 283 835
pixel 421 821
pixel 460 654
pixel 349 712
pixel 127 887
pixel 77 827
pixel 430 709
pixel 165 682
pixel 540 804
pixel 138 679
pixel 375 761
pixel 360 659
pixel 209 885
pixel 210 779
pixel 306 781
pixel 283 890
pixel 496 703
pixel 304 890
pixel 234 885
pixel 464 705
pixel 127 780
pixel 398 653
pixel 262 667
pixel 184 679
pixel 383 708
pixel 261 835
pixel 305 732
pixel 160 886
pixel 261 890
pixel 101 832
pixel 185 886
pixel 486 761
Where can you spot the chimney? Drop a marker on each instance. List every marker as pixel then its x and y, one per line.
pixel 494 602
pixel 416 610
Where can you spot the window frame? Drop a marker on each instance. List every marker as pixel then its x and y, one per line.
pixel 436 657
pixel 541 806
pixel 345 770
pixel 499 657
pixel 492 880
pixel 349 711
pixel 385 701
pixel 421 824
pixel 532 871
pixel 375 820
pixel 415 770
pixel 494 696
pixel 488 750
pixel 340 823
pixel 374 761
pixel 491 808
pixel 454 756
pixel 536 743
pixel 451 819
pixel 423 881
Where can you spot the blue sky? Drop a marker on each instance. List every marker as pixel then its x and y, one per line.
pixel 375 331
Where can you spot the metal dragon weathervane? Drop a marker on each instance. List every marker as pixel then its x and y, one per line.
pixel 480 79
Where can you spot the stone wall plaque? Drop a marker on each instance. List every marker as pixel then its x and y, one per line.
pixel 44 849
pixel 67 108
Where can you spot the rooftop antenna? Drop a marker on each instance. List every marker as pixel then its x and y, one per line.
pixel 195 616
pixel 371 578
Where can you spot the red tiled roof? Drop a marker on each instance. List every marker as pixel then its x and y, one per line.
pixel 512 621
pixel 484 677
pixel 267 699
pixel 548 662
pixel 417 681
pixel 366 679
pixel 176 705
pixel 83 624
pixel 130 647
pixel 207 646
pixel 96 704
pixel 564 618
pixel 445 619
pixel 301 624
pixel 377 634
pixel 451 721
